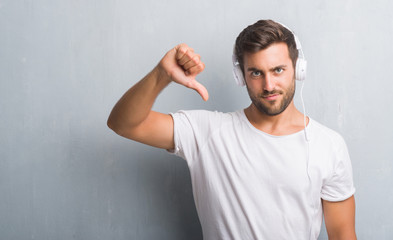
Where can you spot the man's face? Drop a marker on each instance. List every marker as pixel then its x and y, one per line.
pixel 270 81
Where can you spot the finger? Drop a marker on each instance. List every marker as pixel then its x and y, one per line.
pixel 195 60
pixel 202 91
pixel 182 50
pixel 199 88
pixel 187 56
pixel 195 70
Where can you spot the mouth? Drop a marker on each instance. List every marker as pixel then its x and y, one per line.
pixel 271 97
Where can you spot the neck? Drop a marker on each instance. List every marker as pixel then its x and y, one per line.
pixel 287 122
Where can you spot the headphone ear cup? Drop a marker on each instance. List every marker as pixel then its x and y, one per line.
pixel 237 72
pixel 301 68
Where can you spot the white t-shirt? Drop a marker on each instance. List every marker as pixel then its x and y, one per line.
pixel 248 184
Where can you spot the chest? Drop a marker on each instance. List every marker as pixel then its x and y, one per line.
pixel 248 159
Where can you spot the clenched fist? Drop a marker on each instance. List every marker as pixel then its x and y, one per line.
pixel 182 65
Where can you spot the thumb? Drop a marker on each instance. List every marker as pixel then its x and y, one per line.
pixel 200 89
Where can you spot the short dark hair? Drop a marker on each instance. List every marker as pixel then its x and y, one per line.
pixel 261 35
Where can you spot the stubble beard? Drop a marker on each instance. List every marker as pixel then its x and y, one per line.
pixel 271 108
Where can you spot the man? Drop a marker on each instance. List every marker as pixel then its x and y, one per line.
pixel 257 173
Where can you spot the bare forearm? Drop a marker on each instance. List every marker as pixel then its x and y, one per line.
pixel 135 105
pixel 132 116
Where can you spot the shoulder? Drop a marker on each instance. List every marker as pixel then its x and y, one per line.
pixel 322 133
pixel 193 128
pixel 207 116
pixel 203 122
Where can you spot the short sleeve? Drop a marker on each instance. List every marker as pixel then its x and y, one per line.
pixel 339 186
pixel 190 131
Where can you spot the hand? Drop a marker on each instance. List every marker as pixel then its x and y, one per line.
pixel 182 65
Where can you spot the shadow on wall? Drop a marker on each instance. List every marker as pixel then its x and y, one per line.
pixel 130 191
pixel 165 197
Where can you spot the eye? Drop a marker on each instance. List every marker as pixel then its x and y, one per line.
pixel 278 70
pixel 256 73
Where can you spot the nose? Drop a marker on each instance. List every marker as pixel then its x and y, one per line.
pixel 268 83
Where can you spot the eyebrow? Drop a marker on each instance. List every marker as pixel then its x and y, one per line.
pixel 252 69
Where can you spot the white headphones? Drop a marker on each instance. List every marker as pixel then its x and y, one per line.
pixel 300 70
